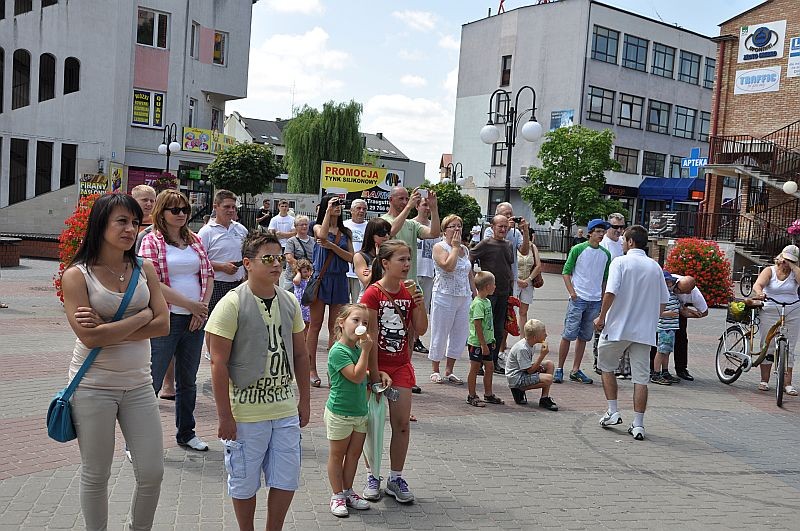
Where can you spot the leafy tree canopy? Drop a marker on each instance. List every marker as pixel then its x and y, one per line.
pixel 567 186
pixel 244 169
pixel 452 201
pixel 313 136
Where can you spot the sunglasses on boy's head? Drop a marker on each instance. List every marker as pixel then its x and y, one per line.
pixel 177 210
pixel 270 258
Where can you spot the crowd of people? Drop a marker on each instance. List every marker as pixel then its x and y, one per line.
pixel 258 302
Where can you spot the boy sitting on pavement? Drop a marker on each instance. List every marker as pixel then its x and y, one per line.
pixel 665 336
pixel 524 372
pixel 481 341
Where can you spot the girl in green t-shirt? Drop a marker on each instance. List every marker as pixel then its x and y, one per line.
pixel 346 410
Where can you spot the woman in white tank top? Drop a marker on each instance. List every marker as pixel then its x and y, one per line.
pixel 117 387
pixel 780 282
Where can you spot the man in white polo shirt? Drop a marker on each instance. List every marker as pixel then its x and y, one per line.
pixel 613 243
pixel 585 273
pixel 634 298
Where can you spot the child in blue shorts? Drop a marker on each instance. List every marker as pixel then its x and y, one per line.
pixel 665 336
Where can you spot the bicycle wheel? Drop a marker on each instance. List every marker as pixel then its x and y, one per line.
pixel 746 285
pixel 781 352
pixel 731 351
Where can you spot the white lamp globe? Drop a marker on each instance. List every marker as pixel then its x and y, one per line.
pixel 790 187
pixel 162 149
pixel 532 131
pixel 461 181
pixel 489 134
pixel 174 147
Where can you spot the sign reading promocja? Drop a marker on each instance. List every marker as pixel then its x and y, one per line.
pixel 766 79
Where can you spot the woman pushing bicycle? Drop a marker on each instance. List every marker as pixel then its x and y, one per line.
pixel 780 282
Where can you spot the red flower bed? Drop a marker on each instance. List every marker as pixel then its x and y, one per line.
pixel 704 261
pixel 70 239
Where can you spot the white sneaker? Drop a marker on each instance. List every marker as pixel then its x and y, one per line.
pixel 355 501
pixel 637 432
pixel 339 507
pixel 610 419
pixel 372 489
pixel 399 489
pixel 196 443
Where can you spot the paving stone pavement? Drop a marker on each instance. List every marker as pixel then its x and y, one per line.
pixel 716 456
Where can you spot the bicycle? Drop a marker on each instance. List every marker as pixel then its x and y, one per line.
pixel 735 353
pixel 747 278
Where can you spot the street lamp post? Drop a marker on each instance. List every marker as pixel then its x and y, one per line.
pixel 456 173
pixel 531 131
pixel 169 144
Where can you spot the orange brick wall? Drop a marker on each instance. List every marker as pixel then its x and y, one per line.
pixel 38 249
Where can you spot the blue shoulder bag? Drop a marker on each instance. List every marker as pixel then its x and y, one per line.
pixel 59 414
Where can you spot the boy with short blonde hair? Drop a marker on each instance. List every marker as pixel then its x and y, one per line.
pixel 481 341
pixel 527 368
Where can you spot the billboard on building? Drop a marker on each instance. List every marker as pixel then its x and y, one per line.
pixel 92 183
pixel 757 80
pixel 793 68
pixel 354 181
pixel 564 118
pixel 762 41
pixel 205 140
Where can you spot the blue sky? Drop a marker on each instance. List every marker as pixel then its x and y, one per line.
pixel 399 59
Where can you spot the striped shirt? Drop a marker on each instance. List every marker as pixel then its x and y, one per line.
pixel 670 323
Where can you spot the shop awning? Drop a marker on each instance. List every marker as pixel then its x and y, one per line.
pixel 668 189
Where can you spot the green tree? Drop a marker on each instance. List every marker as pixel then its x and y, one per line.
pixel 244 169
pixel 452 201
pixel 567 186
pixel 313 136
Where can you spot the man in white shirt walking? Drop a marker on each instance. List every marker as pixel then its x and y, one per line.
pixel 634 298
pixel 357 225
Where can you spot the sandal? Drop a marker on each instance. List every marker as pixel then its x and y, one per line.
pixel 412 418
pixel 491 399
pixel 316 382
pixel 790 390
pixel 3 305
pixel 436 377
pixel 452 378
pixel 473 400
pixel 763 386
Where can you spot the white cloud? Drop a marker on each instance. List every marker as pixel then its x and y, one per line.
pixel 448 42
pixel 420 127
pixel 417 20
pixel 411 55
pixel 413 81
pixel 306 7
pixel 450 85
pixel 283 64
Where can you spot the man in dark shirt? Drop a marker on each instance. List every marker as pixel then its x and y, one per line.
pixel 496 255
pixel 264 216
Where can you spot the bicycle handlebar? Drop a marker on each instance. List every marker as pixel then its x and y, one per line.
pixel 784 304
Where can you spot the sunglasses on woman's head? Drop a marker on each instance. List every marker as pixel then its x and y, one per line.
pixel 381 232
pixel 270 258
pixel 177 210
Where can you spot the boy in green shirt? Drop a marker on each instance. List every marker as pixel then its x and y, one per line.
pixel 481 340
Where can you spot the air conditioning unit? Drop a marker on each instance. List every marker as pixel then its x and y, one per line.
pixel 523 173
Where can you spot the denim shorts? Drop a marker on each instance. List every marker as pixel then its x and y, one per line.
pixel 271 447
pixel 579 320
pixel 666 341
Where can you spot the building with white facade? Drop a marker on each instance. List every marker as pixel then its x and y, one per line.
pixel 87 89
pixel 595 65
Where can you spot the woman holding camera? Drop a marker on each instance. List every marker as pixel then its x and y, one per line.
pixel 332 253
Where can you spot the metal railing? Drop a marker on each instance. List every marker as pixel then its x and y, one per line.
pixel 783 164
pixel 787 137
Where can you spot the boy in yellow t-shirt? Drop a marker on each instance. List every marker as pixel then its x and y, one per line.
pixel 259 419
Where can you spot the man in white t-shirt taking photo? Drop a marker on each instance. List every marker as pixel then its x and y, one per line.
pixel 585 273
pixel 425 263
pixel 357 225
pixel 283 223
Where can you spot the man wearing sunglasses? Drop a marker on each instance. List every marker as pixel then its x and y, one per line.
pixel 613 244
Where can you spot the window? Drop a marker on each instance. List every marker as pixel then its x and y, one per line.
pixel 663 60
pixel 601 105
pixel 684 122
pixel 20 7
pixel 280 186
pixel 72 75
pixel 675 170
pixel 689 70
pixel 499 154
pixel 69 164
pixel 658 117
pixel 604 44
pixel 152 28
pixel 653 164
pixel 501 103
pixel 705 125
pixel 216 114
pixel 2 11
pixel 18 171
pixel 47 77
pixel 148 108
pixel 2 69
pixel 631 109
pixel 634 53
pixel 194 41
pixel 46 3
pixel 192 107
pixel 220 48
pixel 505 71
pixel 708 78
pixel 628 159
pixel 44 166
pixel 21 79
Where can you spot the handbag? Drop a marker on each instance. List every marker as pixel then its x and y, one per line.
pixel 312 288
pixel 538 280
pixel 59 414
pixel 511 324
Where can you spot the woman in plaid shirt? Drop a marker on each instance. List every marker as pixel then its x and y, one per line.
pixel 187 281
